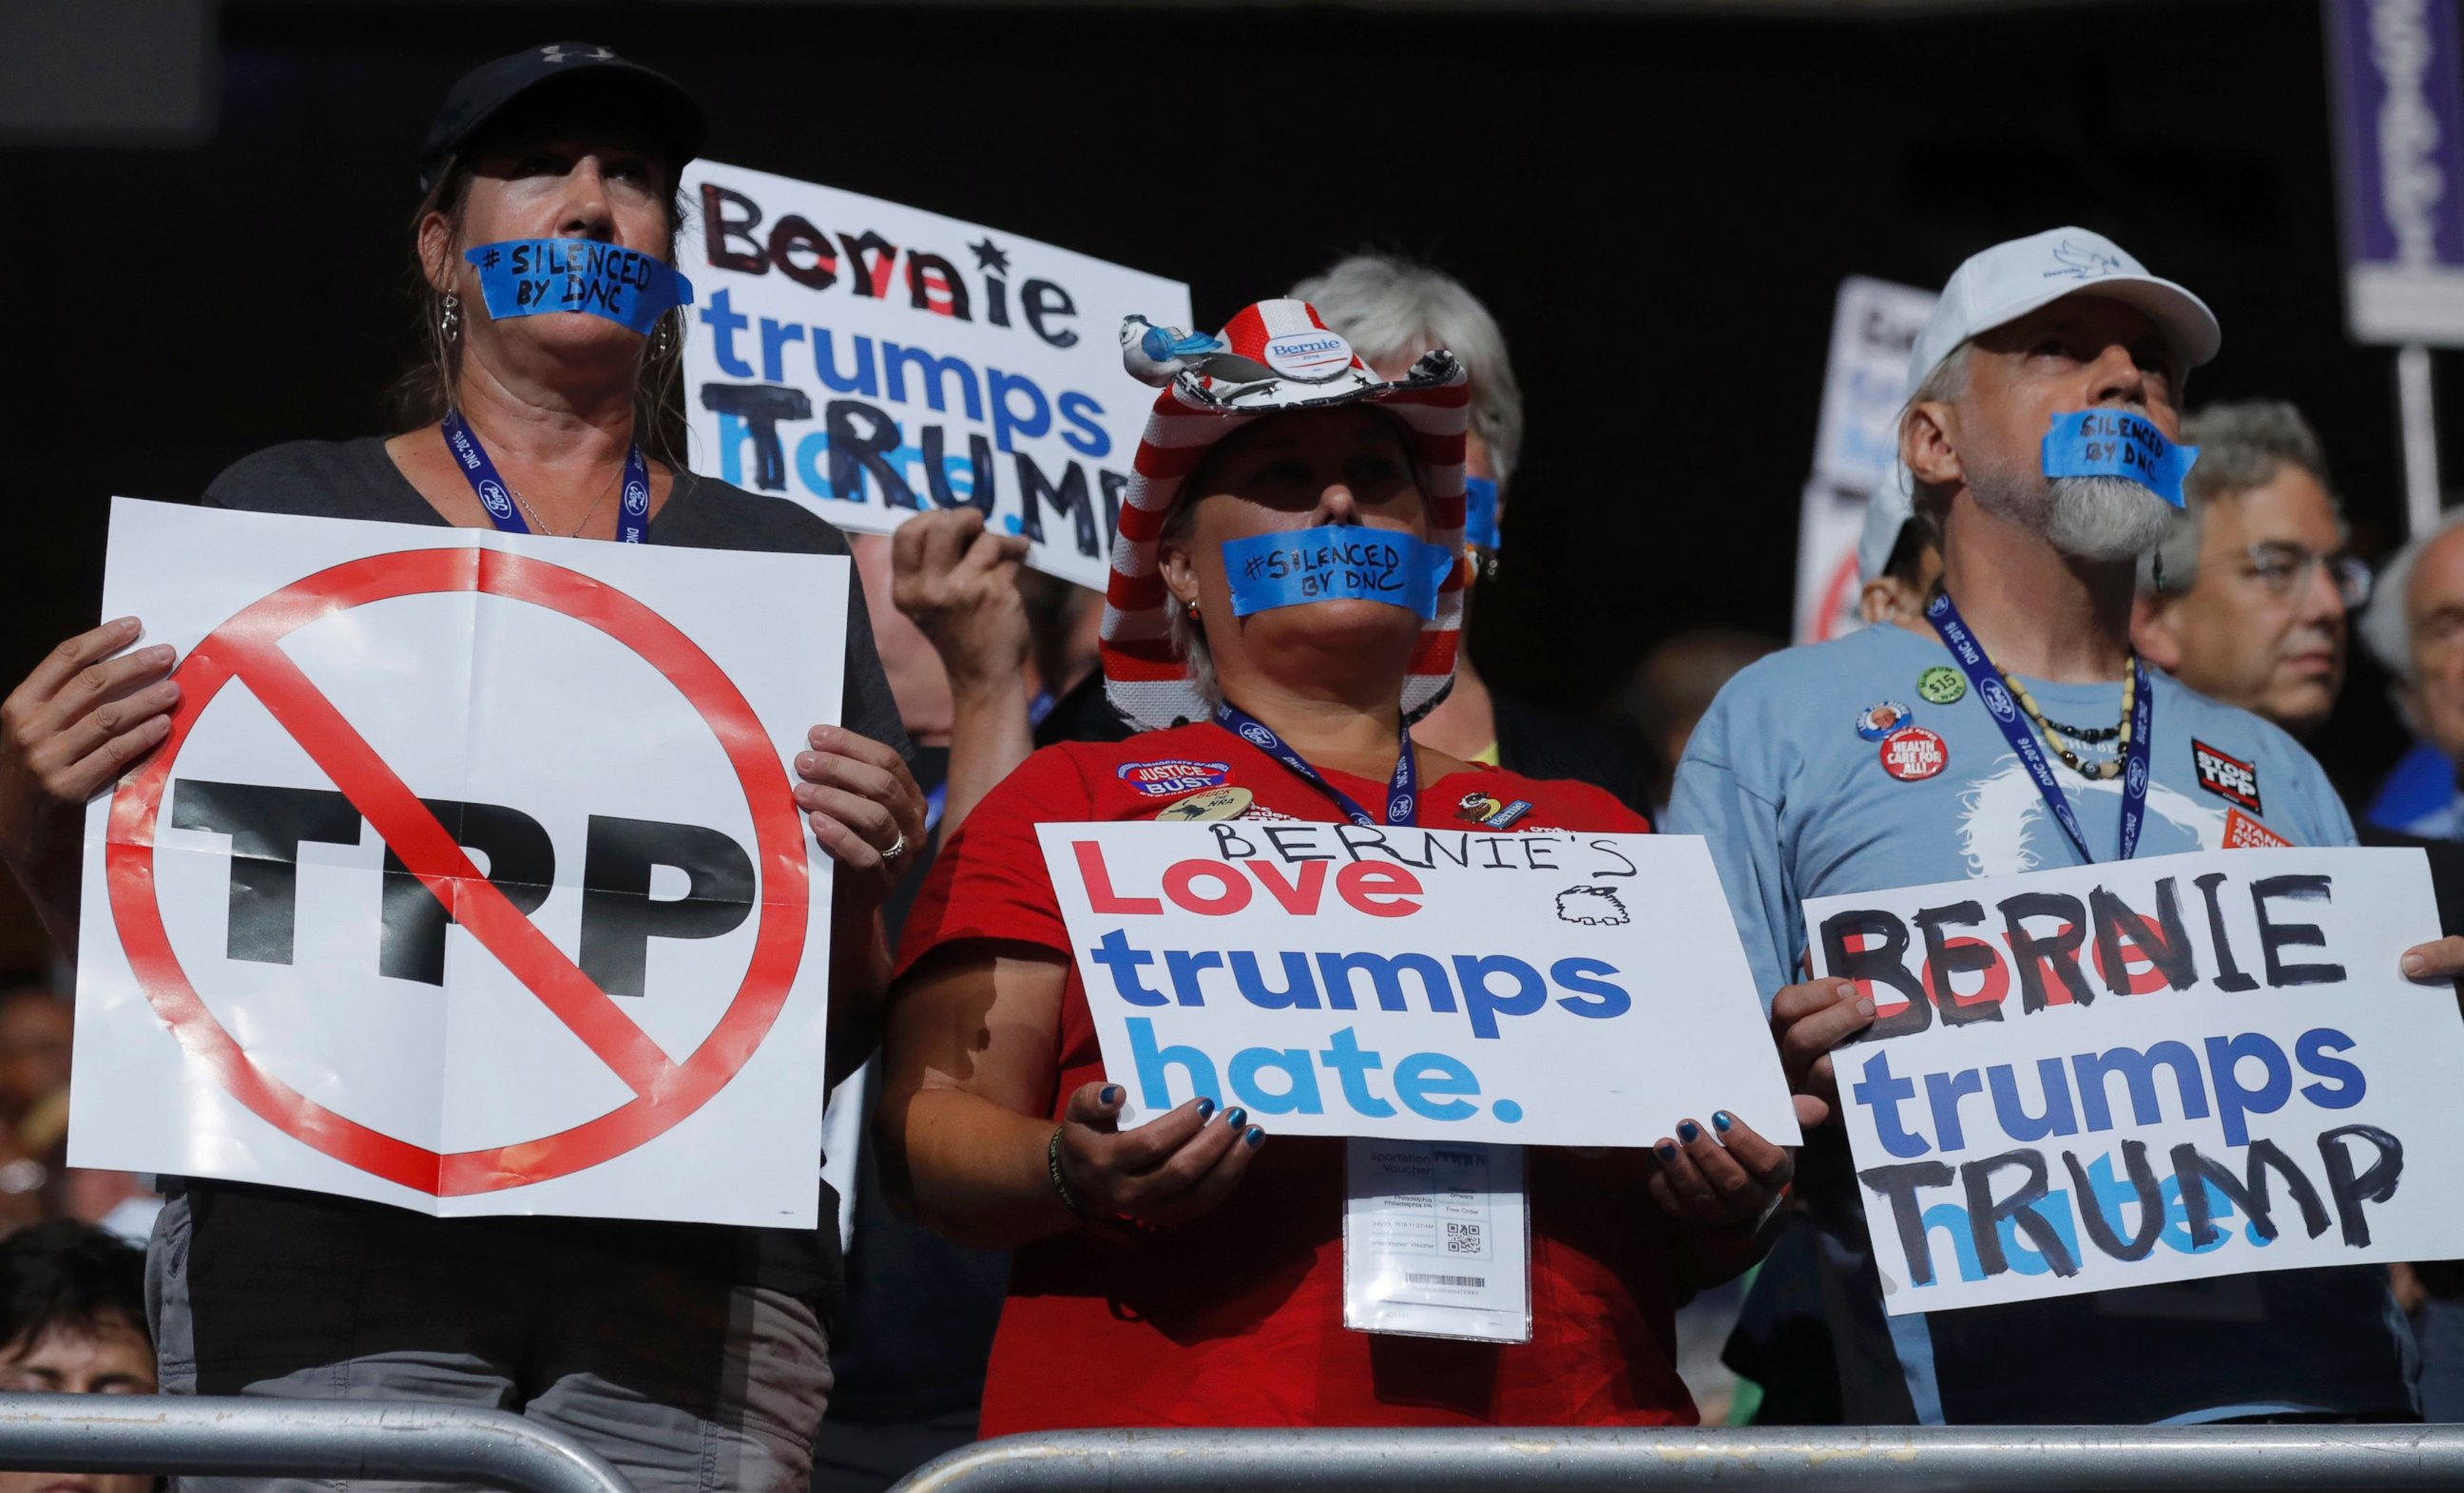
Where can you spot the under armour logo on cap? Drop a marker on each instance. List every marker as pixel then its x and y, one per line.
pixel 558 54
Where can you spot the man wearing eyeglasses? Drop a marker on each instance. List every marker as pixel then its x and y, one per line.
pixel 2247 600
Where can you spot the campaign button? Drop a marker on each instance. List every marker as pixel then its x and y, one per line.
pixel 2226 776
pixel 1213 804
pixel 1941 685
pixel 1312 357
pixel 1879 720
pixel 1476 807
pixel 1914 755
pixel 2245 833
pixel 1162 780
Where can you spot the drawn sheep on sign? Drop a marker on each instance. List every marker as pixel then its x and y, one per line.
pixel 1593 907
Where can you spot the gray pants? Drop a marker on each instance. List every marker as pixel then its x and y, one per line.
pixel 681 1378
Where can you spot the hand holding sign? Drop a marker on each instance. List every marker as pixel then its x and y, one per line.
pixel 864 806
pixel 1809 1020
pixel 79 720
pixel 1719 1182
pixel 1167 1170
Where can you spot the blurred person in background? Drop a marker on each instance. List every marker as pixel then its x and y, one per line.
pixel 1673 686
pixel 73 1322
pixel 1393 311
pixel 2248 598
pixel 1899 557
pixel 2415 629
pixel 36 1027
pixel 975 646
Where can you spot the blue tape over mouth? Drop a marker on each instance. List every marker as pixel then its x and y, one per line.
pixel 2116 443
pixel 526 276
pixel 1336 562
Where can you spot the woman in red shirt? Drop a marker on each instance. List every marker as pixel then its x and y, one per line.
pixel 1184 1271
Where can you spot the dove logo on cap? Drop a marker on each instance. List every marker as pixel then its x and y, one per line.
pixel 1311 357
pixel 2082 264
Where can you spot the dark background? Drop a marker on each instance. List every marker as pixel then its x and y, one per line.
pixel 1658 206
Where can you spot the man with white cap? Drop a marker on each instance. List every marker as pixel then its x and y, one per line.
pixel 2023 732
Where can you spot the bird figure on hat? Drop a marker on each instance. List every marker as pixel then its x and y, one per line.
pixel 1158 354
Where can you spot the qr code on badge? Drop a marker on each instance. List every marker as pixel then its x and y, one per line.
pixel 1464 1239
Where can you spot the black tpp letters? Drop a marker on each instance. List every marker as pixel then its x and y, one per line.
pixel 266 827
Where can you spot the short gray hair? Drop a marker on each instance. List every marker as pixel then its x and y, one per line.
pixel 1942 383
pixel 2386 629
pixel 2242 445
pixel 1392 310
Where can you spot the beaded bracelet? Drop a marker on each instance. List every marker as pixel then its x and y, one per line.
pixel 1061 1183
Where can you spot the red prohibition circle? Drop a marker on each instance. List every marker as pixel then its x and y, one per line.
pixel 247 646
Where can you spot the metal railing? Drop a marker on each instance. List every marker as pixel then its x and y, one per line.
pixel 259 1437
pixel 159 1435
pixel 1810 1459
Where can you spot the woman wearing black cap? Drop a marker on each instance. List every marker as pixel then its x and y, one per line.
pixel 689 1356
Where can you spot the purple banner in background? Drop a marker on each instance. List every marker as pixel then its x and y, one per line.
pixel 2399 107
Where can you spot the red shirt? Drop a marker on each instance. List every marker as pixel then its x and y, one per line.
pixel 1236 1318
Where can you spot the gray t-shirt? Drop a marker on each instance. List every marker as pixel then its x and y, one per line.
pixel 1867 764
pixel 356 479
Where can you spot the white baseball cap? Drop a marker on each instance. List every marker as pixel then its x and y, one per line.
pixel 2009 280
pixel 1888 508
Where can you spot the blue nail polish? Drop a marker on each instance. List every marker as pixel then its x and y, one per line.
pixel 1205 1107
pixel 1667 1152
pixel 1253 1138
pixel 1236 1117
pixel 1721 1120
pixel 1112 1094
pixel 1688 1131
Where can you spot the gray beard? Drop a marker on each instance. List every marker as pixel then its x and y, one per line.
pixel 2099 518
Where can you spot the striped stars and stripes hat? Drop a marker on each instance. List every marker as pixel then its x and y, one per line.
pixel 1275 356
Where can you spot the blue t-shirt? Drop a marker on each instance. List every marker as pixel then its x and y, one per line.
pixel 1833 769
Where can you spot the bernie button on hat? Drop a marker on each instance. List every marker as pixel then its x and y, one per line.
pixel 2006 281
pixel 665 111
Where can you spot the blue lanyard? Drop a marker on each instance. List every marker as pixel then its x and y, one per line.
pixel 1986 681
pixel 632 516
pixel 1400 792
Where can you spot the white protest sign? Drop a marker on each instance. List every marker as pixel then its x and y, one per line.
pixel 584 751
pixel 2157 1070
pixel 1552 989
pixel 1872 327
pixel 872 361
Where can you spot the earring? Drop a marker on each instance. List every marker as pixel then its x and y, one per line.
pixel 449 320
pixel 663 341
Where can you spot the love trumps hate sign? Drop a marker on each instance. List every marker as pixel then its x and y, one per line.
pixel 1548 988
pixel 2157 1070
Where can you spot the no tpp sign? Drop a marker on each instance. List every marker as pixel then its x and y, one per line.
pixel 470 877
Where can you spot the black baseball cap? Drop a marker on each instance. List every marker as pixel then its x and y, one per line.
pixel 483 94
